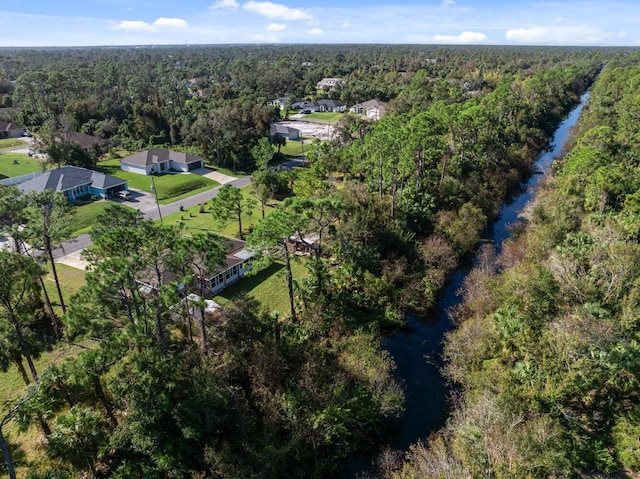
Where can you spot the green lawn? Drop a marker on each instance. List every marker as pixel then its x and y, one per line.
pixel 170 187
pixel 25 164
pixel 85 216
pixel 332 117
pixel 269 286
pixel 12 142
pixel 295 148
pixel 193 220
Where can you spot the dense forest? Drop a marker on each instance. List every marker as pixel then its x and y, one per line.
pixel 545 355
pixel 546 352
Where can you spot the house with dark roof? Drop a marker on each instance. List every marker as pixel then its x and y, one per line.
pixel 325 105
pixel 237 263
pixel 84 141
pixel 372 109
pixel 74 182
pixel 160 160
pixel 285 131
pixel 10 130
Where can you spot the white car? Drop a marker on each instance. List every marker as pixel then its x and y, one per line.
pixel 124 194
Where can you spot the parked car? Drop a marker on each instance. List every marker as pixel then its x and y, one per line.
pixel 124 195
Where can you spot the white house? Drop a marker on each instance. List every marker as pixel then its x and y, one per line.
pixel 372 109
pixel 285 131
pixel 159 160
pixel 325 106
pixel 237 264
pixel 329 83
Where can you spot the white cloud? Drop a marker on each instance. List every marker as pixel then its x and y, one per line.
pixel 140 26
pixel 274 10
pixel 276 27
pixel 447 3
pixel 345 25
pixel 171 23
pixel 573 35
pixel 315 31
pixel 463 38
pixel 228 4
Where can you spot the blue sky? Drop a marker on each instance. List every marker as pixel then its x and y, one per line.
pixel 149 22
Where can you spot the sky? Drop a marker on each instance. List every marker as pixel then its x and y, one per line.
pixel 164 22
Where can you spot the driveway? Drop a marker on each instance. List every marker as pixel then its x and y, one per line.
pixel 214 175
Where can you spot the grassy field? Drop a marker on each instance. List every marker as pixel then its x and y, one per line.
pixel 85 216
pixel 170 187
pixel 332 117
pixel 12 142
pixel 193 220
pixel 24 165
pixel 71 280
pixel 295 148
pixel 269 286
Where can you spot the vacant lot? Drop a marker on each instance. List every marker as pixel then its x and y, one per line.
pixel 309 129
pixel 17 164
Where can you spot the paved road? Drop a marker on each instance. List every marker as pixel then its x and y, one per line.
pixel 145 203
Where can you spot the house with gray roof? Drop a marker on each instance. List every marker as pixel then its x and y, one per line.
pixel 74 182
pixel 372 109
pixel 328 83
pixel 285 131
pixel 325 105
pixel 160 161
pixel 10 130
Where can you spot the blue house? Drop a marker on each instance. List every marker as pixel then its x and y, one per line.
pixel 75 182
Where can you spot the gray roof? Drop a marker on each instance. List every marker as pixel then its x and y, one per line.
pixel 82 140
pixel 159 155
pixel 330 103
pixel 69 177
pixel 371 104
pixel 281 129
pixel 4 126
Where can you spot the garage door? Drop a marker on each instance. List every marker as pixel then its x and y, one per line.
pixel 194 166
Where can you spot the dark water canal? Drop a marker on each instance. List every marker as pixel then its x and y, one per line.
pixel 417 350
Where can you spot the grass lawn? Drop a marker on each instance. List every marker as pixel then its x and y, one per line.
pixel 194 221
pixel 170 187
pixel 85 216
pixel 269 286
pixel 12 142
pixel 295 148
pixel 330 116
pixel 25 165
pixel 71 280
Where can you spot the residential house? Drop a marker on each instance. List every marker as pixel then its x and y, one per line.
pixel 325 106
pixel 237 264
pixel 372 109
pixel 159 160
pixel 10 130
pixel 328 83
pixel 85 142
pixel 285 131
pixel 296 103
pixel 74 182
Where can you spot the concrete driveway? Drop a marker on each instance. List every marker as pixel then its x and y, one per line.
pixel 214 175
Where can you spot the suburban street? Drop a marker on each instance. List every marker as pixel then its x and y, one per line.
pixel 68 251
